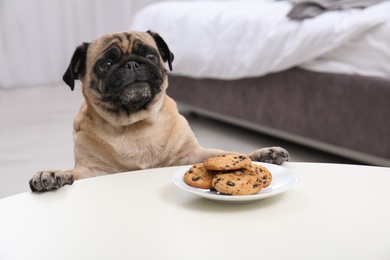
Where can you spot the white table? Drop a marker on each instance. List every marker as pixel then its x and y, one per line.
pixel 334 212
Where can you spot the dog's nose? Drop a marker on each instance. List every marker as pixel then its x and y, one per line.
pixel 132 65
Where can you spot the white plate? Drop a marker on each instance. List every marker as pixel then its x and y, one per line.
pixel 282 180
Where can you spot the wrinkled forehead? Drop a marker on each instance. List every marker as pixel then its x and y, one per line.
pixel 126 41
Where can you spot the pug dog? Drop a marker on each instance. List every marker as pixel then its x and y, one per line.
pixel 127 121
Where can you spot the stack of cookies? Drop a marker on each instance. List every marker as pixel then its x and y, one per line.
pixel 229 174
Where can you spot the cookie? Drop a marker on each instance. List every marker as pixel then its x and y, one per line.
pixel 264 173
pixel 197 176
pixel 227 162
pixel 240 182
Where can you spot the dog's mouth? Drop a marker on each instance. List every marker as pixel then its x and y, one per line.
pixel 131 97
pixel 136 94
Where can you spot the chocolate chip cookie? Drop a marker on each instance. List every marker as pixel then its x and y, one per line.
pixel 197 176
pixel 239 182
pixel 227 162
pixel 264 174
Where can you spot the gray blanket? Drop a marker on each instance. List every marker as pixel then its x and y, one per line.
pixel 303 9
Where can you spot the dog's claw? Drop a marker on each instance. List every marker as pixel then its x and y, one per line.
pixel 59 181
pixel 71 180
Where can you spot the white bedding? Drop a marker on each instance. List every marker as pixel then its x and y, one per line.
pixel 235 39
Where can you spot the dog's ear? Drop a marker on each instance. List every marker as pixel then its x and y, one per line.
pixel 76 68
pixel 165 53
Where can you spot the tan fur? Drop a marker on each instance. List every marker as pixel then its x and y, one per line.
pixel 157 136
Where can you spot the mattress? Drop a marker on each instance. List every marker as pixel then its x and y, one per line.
pixel 252 38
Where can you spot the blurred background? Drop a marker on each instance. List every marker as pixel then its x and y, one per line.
pixel 38 38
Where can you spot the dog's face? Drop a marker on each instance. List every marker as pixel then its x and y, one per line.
pixel 122 74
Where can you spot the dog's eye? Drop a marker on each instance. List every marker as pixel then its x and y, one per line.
pixel 151 57
pixel 105 66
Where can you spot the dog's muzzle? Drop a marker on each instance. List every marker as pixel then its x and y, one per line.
pixel 132 86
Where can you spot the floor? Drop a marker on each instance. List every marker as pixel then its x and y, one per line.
pixel 36 134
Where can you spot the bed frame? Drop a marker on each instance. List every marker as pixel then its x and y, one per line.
pixel 342 114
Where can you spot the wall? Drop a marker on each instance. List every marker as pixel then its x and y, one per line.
pixel 37 38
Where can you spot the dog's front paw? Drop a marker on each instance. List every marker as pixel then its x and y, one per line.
pixel 275 155
pixel 50 180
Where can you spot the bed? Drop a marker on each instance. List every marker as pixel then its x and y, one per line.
pixel 322 81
